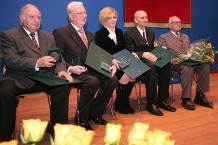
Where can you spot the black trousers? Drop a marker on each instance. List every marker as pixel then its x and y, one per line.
pixel 151 76
pixel 9 91
pixel 90 102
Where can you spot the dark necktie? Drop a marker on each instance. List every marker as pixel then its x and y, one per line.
pixel 177 34
pixel 143 36
pixel 34 41
pixel 82 35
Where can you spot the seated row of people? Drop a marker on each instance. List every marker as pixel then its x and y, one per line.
pixel 23 53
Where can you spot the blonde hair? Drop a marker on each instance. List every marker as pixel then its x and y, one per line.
pixel 105 13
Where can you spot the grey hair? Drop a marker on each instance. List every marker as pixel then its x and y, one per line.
pixel 71 6
pixel 24 8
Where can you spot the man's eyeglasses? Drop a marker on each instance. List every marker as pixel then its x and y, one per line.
pixel 80 13
pixel 176 22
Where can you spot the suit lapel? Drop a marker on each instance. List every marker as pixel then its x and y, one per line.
pixel 174 41
pixel 137 33
pixel 27 40
pixel 76 38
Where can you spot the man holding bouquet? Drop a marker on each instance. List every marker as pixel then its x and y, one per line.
pixel 178 42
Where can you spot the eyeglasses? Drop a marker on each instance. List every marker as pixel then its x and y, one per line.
pixel 176 22
pixel 80 13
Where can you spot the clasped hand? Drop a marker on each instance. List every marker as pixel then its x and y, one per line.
pixel 77 69
pixel 48 61
pixel 149 56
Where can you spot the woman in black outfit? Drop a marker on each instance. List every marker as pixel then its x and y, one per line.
pixel 111 39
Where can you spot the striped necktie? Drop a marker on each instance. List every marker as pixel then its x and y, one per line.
pixel 34 41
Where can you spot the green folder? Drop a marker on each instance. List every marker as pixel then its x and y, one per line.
pixel 99 59
pixel 133 67
pixel 55 53
pixel 50 79
pixel 164 56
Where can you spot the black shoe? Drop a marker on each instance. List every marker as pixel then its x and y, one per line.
pixel 201 100
pixel 50 129
pixel 121 110
pixel 164 105
pixel 98 120
pixel 188 104
pixel 129 109
pixel 154 110
pixel 83 123
pixel 3 139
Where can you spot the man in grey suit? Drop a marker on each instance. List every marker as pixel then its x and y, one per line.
pixel 180 43
pixel 72 40
pixel 21 56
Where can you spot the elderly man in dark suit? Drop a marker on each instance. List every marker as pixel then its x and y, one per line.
pixel 73 41
pixel 21 56
pixel 180 43
pixel 140 41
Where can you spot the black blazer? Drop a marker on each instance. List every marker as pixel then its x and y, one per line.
pixel 105 42
pixel 70 43
pixel 134 42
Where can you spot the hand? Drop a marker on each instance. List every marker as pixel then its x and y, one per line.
pixel 77 69
pixel 149 56
pixel 46 61
pixel 164 47
pixel 135 55
pixel 65 75
pixel 113 70
pixel 175 61
pixel 116 63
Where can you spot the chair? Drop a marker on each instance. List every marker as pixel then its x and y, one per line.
pixel 174 79
pixel 140 80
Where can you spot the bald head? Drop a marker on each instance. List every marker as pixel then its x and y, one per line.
pixel 141 19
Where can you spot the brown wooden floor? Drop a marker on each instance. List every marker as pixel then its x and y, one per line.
pixel 199 127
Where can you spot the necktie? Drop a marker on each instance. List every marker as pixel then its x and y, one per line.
pixel 143 36
pixel 82 35
pixel 177 34
pixel 34 41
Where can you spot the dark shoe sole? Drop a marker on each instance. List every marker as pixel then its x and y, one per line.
pixel 203 104
pixel 188 108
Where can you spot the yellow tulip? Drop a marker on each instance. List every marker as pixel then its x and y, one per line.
pixel 113 134
pixel 159 137
pixel 137 134
pixel 12 142
pixel 34 130
pixel 67 134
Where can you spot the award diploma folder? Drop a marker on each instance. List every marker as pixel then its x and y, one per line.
pixel 50 79
pixel 99 59
pixel 133 67
pixel 55 53
pixel 164 56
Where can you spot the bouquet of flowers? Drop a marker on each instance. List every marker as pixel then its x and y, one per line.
pixel 200 51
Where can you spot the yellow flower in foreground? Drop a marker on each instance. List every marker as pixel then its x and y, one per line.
pixel 159 137
pixel 12 142
pixel 113 134
pixel 137 134
pixel 67 134
pixel 34 130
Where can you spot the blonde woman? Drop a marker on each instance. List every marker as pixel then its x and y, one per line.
pixel 111 39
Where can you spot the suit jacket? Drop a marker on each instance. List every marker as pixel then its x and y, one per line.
pixel 178 45
pixel 134 42
pixel 20 55
pixel 105 42
pixel 70 43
